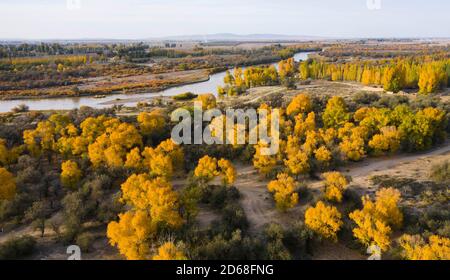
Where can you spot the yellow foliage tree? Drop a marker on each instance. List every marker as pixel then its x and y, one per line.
pixel 8 185
pixel 286 68
pixel 264 163
pixel 387 141
pixel 151 124
pixel 70 174
pixel 156 196
pixel 299 105
pixel 352 145
pixel 208 101
pixel 111 147
pixel 169 252
pixel 323 156
pixel 298 163
pixel 174 151
pixel 158 163
pixel 324 220
pixel 335 114
pixel 206 169
pixel 227 171
pixel 375 220
pixel 415 247
pixel 134 159
pixel 131 234
pixel 4 153
pixel 432 77
pixel 335 185
pixel 284 191
pixel 303 126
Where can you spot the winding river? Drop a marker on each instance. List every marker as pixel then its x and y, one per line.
pixel 68 103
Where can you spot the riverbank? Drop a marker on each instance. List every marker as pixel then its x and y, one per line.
pixel 195 81
pixel 106 85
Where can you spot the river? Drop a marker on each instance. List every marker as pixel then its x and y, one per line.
pixel 69 103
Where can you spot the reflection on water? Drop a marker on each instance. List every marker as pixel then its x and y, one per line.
pixel 68 103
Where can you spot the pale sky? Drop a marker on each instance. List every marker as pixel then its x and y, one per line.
pixel 139 19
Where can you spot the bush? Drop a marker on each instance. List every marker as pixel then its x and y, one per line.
pixel 275 248
pixel 233 218
pixel 185 96
pixel 17 248
pixel 237 247
pixel 365 98
pixel 441 173
pixel 22 108
pixel 85 241
pixel 299 240
pixel 219 196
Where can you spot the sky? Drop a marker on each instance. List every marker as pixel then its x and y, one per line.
pixel 141 19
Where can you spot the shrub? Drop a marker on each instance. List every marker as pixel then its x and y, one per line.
pixel 185 96
pixel 365 98
pixel 276 250
pixel 233 218
pixel 237 247
pixel 22 108
pixel 441 172
pixel 17 248
pixel 85 241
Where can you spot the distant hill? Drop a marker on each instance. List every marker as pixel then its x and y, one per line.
pixel 237 37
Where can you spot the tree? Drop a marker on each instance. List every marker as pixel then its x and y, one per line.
pixel 70 174
pixel 156 196
pixel 208 101
pixel 323 156
pixel 432 77
pixel 4 152
pixel 299 105
pixel 375 221
pixel 151 124
pixel 206 169
pixel 284 192
pixel 169 252
pixel 416 248
pixel 111 147
pixel 304 70
pixel 38 213
pixel 386 207
pixel 7 186
pixel 352 146
pixel 371 231
pixel 303 126
pixel 421 130
pixel 227 171
pixel 335 114
pixel 335 184
pixel 297 160
pixel 158 163
pixel 174 151
pixel 387 141
pixel 131 234
pixel 393 78
pixel 286 68
pixel 134 159
pixel 324 220
pixel 298 163
pixel 164 203
pixel 264 163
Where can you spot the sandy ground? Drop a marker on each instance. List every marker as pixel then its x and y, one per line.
pixel 415 166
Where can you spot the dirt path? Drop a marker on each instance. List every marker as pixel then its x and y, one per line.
pixel 259 207
pixel 407 165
